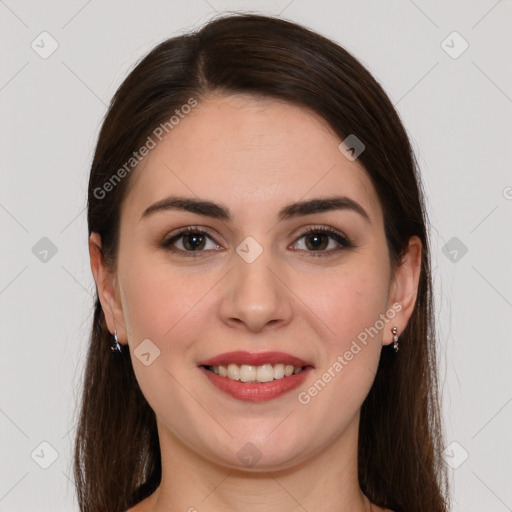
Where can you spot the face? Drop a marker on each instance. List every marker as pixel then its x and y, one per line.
pixel 309 283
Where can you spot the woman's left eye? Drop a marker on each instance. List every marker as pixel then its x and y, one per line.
pixel 316 240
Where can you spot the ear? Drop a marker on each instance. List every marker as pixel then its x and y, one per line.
pixel 108 293
pixel 404 288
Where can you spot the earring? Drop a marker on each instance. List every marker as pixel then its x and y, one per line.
pixel 116 347
pixel 395 338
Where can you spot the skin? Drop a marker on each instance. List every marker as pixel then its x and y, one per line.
pixel 254 156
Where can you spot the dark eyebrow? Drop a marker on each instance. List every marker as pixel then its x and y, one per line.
pixel 217 211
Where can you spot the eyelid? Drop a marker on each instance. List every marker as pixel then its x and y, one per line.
pixel 176 235
pixel 343 241
pixel 340 238
pixel 323 229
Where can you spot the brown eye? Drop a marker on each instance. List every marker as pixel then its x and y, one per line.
pixel 192 240
pixel 317 240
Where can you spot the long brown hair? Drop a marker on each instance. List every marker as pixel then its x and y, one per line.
pixel 117 454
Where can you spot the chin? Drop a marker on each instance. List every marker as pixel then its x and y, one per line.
pixel 253 456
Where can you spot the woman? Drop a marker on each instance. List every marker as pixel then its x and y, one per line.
pixel 258 242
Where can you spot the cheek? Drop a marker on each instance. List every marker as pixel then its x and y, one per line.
pixel 349 300
pixel 157 301
pixel 163 305
pixel 350 304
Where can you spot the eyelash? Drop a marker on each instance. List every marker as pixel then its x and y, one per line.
pixel 342 240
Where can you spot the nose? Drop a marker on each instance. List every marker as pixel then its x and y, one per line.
pixel 255 295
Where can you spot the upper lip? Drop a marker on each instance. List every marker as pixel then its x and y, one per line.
pixel 254 359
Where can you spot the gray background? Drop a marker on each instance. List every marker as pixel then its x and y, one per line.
pixel 457 110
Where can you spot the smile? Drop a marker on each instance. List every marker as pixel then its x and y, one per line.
pixel 251 373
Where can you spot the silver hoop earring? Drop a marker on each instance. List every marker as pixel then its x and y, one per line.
pixel 395 338
pixel 115 347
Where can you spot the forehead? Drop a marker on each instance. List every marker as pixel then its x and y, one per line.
pixel 253 154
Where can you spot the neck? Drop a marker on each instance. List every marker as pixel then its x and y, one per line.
pixel 325 482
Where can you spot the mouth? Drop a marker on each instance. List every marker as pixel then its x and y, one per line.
pixel 255 366
pixel 251 373
pixel 255 376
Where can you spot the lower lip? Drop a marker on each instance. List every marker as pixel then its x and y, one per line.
pixel 257 391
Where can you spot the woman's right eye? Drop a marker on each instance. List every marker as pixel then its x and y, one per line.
pixel 192 240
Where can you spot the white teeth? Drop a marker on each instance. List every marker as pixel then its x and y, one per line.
pixel 265 373
pixel 233 371
pixel 278 371
pixel 247 373
pixel 251 373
